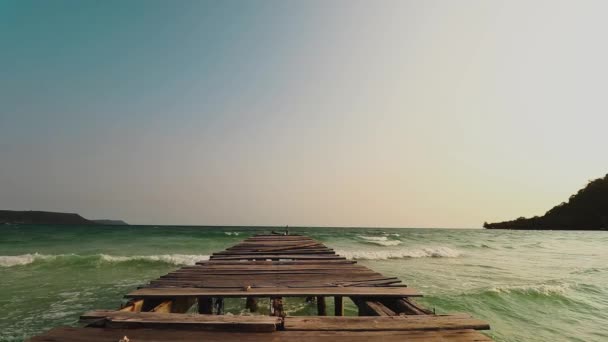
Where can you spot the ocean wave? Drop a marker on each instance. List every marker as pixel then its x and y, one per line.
pixel 379 240
pixel 175 259
pixel 232 233
pixel 427 252
pixel 26 259
pixel 533 289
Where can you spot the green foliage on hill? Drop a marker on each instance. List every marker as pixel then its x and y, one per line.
pixel 585 210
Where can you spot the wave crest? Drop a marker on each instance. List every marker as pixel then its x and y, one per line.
pixel 380 240
pixel 538 289
pixel 427 252
pixel 24 259
pixel 174 259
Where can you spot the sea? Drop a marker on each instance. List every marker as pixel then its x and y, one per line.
pixel 529 285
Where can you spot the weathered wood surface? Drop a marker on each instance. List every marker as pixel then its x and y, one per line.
pixel 275 265
pixel 68 334
pixel 276 291
pixel 121 319
pixel 384 323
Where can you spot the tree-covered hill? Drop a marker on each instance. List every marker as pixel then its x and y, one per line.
pixel 585 210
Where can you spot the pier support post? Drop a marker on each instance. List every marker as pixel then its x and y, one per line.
pixel 251 304
pixel 321 307
pixel 338 306
pixel 205 305
pixel 276 307
pixel 219 305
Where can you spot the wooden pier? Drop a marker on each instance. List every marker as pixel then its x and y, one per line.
pixel 274 267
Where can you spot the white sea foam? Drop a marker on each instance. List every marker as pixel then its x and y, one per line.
pixel 373 238
pixel 176 259
pixel 537 289
pixel 232 233
pixel 380 240
pixel 427 252
pixel 24 259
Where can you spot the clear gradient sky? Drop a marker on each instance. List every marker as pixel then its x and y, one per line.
pixel 327 113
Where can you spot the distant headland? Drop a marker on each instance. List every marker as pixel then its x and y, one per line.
pixel 48 217
pixel 585 210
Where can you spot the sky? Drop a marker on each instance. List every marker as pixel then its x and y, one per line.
pixel 305 113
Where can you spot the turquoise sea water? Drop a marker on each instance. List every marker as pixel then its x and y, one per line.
pixel 530 285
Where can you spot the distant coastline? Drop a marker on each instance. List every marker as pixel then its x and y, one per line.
pixel 49 217
pixel 585 210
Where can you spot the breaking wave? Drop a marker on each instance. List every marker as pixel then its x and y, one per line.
pixel 232 233
pixel 26 259
pixel 18 260
pixel 379 240
pixel 538 289
pixel 174 259
pixel 427 252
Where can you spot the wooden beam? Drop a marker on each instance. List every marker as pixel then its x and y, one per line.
pixel 386 323
pixel 122 319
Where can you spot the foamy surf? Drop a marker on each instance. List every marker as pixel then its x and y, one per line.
pixel 174 259
pixel 427 252
pixel 19 260
pixel 379 240
pixel 533 289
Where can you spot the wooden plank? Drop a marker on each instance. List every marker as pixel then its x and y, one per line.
pixel 279 256
pixel 386 323
pixel 120 319
pixel 271 266
pixel 345 276
pixel 289 247
pixel 386 291
pixel 70 334
pixel 274 262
